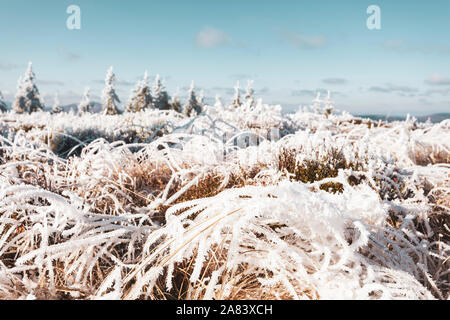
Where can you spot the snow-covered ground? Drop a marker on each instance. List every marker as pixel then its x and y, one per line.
pixel 235 203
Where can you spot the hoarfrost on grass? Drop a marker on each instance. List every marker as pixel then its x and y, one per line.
pixel 106 207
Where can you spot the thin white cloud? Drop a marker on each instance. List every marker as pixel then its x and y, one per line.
pixel 392 88
pixel 243 76
pixel 313 93
pixel 337 81
pixel 126 82
pixel 210 38
pixel 50 82
pixel 443 92
pixel 305 42
pixel 402 46
pixel 437 79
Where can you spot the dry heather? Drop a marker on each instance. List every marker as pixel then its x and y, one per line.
pixel 192 208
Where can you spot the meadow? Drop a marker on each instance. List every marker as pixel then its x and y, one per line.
pixel 235 202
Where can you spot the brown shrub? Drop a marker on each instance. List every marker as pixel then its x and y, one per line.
pixel 311 170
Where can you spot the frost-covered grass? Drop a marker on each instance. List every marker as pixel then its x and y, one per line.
pixel 157 205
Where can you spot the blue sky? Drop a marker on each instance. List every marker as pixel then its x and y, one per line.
pixel 291 49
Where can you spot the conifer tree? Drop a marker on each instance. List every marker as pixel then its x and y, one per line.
pixel 249 94
pixel 201 99
pixel 19 103
pixel 316 103
pixel 193 107
pixel 237 96
pixel 56 105
pixel 175 103
pixel 160 98
pixel 109 95
pixel 28 99
pixel 218 104
pixel 329 108
pixel 3 107
pixel 85 103
pixel 141 97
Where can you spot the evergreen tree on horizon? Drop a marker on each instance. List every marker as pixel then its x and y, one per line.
pixel 56 105
pixel 28 99
pixel 109 95
pixel 160 98
pixel 175 103
pixel 237 96
pixel 218 103
pixel 249 99
pixel 192 107
pixel 3 107
pixel 141 97
pixel 85 103
pixel 329 108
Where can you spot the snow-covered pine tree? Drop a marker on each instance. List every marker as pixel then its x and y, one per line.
pixel 56 105
pixel 141 97
pixel 85 103
pixel 19 103
pixel 201 99
pixel 175 103
pixel 237 96
pixel 160 98
pixel 3 107
pixel 109 95
pixel 249 94
pixel 218 104
pixel 193 107
pixel 28 99
pixel 329 108
pixel 131 106
pixel 316 103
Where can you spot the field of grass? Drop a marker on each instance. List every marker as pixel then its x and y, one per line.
pixel 235 203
